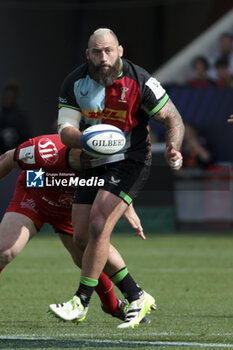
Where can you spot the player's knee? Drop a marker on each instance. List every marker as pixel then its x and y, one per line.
pixel 97 225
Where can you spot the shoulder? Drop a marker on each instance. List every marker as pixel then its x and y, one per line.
pixel 134 71
pixel 77 73
pixel 149 85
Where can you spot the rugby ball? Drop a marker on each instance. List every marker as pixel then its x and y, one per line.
pixel 102 140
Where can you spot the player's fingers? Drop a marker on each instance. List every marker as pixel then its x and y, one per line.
pixel 140 234
pixel 171 151
pixel 132 222
pixel 176 164
pixel 230 119
pixel 136 224
pixel 170 147
pixel 174 156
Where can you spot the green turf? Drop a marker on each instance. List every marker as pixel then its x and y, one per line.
pixel 191 277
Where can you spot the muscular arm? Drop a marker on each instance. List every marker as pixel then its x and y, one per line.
pixel 68 127
pixel 70 136
pixel 74 158
pixel 7 163
pixel 170 117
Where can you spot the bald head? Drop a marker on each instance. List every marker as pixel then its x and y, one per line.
pixel 102 34
pixel 104 56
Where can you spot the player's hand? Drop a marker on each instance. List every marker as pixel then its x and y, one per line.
pixel 173 157
pixel 132 218
pixel 230 119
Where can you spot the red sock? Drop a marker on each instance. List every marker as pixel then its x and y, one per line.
pixel 1 268
pixel 105 291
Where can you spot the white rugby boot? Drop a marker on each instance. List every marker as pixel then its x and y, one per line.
pixel 137 310
pixel 72 310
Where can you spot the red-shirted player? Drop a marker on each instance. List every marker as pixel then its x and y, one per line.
pixel 50 203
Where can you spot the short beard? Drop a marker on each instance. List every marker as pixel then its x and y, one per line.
pixel 105 78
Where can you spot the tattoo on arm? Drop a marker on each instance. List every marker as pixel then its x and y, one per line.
pixel 171 118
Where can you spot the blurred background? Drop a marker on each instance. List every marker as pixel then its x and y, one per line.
pixel 186 44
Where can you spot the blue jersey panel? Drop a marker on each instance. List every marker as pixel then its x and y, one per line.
pixel 89 95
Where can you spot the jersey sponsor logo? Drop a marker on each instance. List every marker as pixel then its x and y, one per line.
pixel 114 181
pixel 62 100
pixel 155 86
pixel 29 203
pixel 107 113
pixel 65 200
pixel 123 92
pixel 84 94
pixel 48 151
pixel 35 178
pixel 27 155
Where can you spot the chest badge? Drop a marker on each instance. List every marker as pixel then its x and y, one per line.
pixel 123 93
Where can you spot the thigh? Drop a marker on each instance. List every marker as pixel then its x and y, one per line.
pixel 24 203
pixel 15 231
pixel 107 209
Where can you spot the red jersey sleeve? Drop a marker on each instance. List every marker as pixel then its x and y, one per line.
pixel 44 151
pixel 25 155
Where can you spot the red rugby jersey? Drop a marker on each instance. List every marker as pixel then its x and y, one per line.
pixel 49 154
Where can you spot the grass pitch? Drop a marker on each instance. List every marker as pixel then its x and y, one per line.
pixel 191 277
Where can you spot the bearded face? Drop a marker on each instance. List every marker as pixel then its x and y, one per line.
pixel 104 73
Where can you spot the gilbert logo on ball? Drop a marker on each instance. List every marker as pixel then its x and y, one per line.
pixel 102 140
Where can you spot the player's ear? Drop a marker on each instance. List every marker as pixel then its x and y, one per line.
pixel 87 54
pixel 120 50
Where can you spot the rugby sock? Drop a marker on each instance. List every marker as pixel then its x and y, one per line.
pixel 86 288
pixel 106 293
pixel 128 287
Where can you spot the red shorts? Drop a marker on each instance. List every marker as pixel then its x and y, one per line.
pixel 23 203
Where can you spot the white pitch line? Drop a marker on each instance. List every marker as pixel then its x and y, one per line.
pixel 117 335
pixel 157 334
pixel 121 343
pixel 31 336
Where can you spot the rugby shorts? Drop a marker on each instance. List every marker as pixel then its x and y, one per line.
pixel 24 203
pixel 124 179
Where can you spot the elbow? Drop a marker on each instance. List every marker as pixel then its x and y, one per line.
pixel 69 136
pixel 63 133
pixel 64 137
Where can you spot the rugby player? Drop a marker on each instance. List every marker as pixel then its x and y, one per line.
pixel 110 89
pixel 31 207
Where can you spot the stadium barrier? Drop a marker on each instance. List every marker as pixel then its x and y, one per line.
pixel 204 198
pixel 207 109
